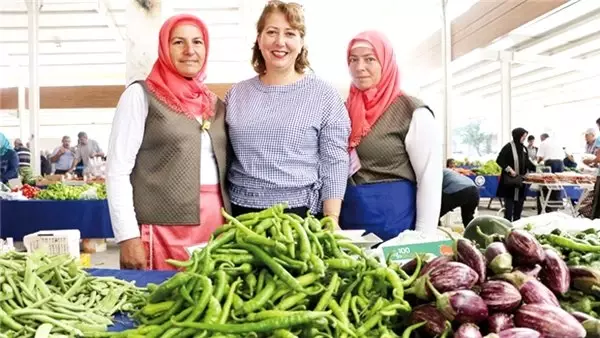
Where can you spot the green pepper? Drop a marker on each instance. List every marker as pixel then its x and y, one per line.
pixel 265 326
pixel 572 244
pixel 410 329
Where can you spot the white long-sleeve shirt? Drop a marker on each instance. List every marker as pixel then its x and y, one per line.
pixel 424 149
pixel 124 143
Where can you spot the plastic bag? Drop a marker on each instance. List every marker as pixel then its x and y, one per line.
pixel 90 194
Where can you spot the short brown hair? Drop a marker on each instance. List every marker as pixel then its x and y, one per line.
pixel 295 16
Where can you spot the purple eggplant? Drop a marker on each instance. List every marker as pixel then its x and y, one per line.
pixel 531 271
pixel 466 252
pixel 585 279
pixel 436 322
pixel 410 266
pixel 498 257
pixel 434 263
pixel 500 296
pixel 525 247
pixel 446 277
pixel 499 322
pixel 532 291
pixel 517 332
pixel 555 273
pixel 464 306
pixel 468 330
pixel 550 321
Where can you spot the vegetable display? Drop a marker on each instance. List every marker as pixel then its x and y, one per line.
pixel 276 274
pixel 62 192
pixel 582 264
pixel 514 299
pixel 49 296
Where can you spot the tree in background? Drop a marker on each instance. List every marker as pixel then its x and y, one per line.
pixel 477 139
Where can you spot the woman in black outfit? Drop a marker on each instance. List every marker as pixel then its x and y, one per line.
pixel 514 161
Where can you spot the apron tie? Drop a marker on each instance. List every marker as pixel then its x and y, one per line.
pixel 314 197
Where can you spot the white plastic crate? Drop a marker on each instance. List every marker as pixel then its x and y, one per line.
pixel 54 242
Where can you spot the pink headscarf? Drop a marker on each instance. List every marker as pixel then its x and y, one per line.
pixel 188 96
pixel 365 107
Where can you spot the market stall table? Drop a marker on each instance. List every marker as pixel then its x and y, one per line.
pixel 141 278
pixel 20 218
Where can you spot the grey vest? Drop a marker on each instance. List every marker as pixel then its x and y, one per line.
pixel 382 151
pixel 166 175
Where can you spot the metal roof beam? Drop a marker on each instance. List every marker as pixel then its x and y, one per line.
pixel 557 31
pixel 550 61
pixel 111 21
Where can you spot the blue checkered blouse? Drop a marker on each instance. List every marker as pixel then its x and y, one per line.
pixel 289 141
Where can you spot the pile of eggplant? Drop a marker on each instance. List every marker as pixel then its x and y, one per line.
pixel 510 289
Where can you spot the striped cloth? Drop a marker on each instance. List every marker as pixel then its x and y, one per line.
pixel 289 141
pixel 24 157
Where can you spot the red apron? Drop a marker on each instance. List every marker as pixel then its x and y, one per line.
pixel 163 242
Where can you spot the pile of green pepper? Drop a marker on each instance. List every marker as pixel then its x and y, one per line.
pixel 582 248
pixel 276 274
pixel 50 296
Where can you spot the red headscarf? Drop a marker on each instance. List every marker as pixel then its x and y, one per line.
pixel 188 96
pixel 365 107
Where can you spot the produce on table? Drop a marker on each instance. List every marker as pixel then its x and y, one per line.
pixel 27 191
pixel 44 296
pixel 271 273
pixel 551 321
pixel 62 192
pixel 489 168
pixel 468 330
pixel 499 322
pixel 481 228
pixel 26 174
pixel 511 301
pixel 500 296
pixel 500 260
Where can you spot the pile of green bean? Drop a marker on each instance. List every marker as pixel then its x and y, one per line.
pixel 275 274
pixel 50 296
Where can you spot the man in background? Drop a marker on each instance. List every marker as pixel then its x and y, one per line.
pixel 86 150
pixel 23 153
pixel 532 150
pixel 551 155
pixel 63 156
pixel 459 191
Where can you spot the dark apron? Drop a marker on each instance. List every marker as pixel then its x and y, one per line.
pixel 385 209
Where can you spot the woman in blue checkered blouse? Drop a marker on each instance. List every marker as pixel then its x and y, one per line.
pixel 288 128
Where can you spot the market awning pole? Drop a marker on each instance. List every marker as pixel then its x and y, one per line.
pixel 446 82
pixel 34 86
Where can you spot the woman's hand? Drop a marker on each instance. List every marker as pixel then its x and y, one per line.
pixel 133 254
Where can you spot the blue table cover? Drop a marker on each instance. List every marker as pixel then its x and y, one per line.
pixel 141 278
pixel 488 186
pixel 20 218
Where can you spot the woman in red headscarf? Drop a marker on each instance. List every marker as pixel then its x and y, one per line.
pixel 168 152
pixel 396 164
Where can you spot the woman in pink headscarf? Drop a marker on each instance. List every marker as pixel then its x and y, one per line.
pixel 168 152
pixel 396 165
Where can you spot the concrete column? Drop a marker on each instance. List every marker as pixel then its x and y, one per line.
pixel 446 116
pixel 144 19
pixel 34 86
pixel 506 98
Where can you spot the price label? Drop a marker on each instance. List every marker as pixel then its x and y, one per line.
pixel 404 253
